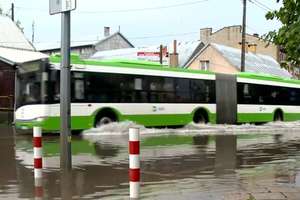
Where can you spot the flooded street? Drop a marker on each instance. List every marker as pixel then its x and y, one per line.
pixel 196 162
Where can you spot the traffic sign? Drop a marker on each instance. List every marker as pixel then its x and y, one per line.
pixel 59 6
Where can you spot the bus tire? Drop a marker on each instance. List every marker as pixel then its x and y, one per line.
pixel 200 117
pixel 104 117
pixel 278 116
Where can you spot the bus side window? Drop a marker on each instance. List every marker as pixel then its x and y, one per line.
pixel 138 83
pixel 79 89
pixel 182 90
pixel 246 94
pixel 141 90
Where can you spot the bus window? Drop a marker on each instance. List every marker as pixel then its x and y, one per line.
pixel 79 89
pixel 138 84
pixel 202 91
pixel 54 87
pixel 30 88
pixel 183 90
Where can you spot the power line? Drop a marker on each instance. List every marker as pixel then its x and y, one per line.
pixel 164 35
pixel 258 5
pixel 251 28
pixel 127 10
pixel 146 9
pixel 94 41
pixel 263 5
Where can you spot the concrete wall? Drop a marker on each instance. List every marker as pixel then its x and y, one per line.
pixel 217 63
pixel 232 36
pixel 84 52
pixel 114 42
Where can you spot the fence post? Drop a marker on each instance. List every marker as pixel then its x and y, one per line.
pixel 37 152
pixel 134 162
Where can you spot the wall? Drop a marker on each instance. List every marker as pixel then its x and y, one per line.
pixel 232 36
pixel 217 63
pixel 114 42
pixel 85 51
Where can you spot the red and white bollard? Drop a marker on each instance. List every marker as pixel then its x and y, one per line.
pixel 134 162
pixel 38 189
pixel 37 152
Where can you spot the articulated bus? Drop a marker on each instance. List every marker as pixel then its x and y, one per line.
pixel 151 95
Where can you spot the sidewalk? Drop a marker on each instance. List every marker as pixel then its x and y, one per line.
pixel 265 191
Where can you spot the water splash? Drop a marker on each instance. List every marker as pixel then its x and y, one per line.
pixel 192 128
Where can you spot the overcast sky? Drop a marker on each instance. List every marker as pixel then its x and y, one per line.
pixel 143 22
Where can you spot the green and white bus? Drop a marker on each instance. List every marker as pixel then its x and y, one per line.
pixel 151 95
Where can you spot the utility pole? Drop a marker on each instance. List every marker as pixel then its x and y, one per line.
pixel 161 54
pixel 243 37
pixel 65 94
pixel 65 7
pixel 13 12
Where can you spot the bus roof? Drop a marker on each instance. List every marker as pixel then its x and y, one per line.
pixel 267 77
pixel 75 59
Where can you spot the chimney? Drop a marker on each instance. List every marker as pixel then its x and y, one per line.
pixel 173 62
pixel 205 34
pixel 106 31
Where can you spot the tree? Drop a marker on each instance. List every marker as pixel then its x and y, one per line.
pixel 288 36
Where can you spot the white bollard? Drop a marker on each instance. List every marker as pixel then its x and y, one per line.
pixel 37 152
pixel 134 162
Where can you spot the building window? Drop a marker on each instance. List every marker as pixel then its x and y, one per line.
pixel 204 65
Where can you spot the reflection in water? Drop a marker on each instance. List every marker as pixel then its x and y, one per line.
pixel 200 140
pixel 225 160
pixel 106 150
pixel 66 185
pixel 8 171
pixel 183 164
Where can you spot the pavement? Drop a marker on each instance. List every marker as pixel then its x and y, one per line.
pixel 265 190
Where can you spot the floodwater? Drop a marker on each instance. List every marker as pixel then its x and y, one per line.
pixel 195 162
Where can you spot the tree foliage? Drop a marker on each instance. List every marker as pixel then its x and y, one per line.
pixel 288 36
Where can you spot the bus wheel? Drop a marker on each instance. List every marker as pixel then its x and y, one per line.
pixel 200 117
pixel 278 116
pixel 105 117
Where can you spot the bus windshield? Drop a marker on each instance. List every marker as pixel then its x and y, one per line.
pixel 29 88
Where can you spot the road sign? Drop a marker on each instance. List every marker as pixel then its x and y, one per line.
pixel 59 6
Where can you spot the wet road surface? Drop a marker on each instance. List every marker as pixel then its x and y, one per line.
pixel 174 166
